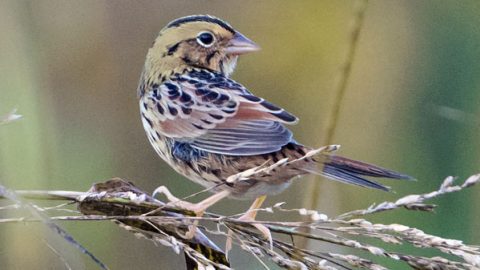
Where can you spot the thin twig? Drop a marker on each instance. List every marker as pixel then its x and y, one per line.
pixel 65 262
pixel 47 221
pixel 415 201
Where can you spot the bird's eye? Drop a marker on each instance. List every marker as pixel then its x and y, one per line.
pixel 205 39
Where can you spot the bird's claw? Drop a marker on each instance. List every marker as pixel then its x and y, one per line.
pixel 197 208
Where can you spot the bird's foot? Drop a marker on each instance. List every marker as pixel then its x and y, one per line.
pixel 249 217
pixel 176 202
pixel 197 208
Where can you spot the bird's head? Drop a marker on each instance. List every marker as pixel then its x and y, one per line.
pixel 200 41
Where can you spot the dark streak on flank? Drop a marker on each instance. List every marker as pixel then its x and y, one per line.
pixel 203 168
pixel 148 120
pixel 216 172
pixel 201 18
pixel 301 151
pixel 189 164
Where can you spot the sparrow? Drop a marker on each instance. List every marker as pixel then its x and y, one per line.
pixel 208 127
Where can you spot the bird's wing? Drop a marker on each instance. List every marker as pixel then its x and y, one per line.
pixel 246 138
pixel 215 114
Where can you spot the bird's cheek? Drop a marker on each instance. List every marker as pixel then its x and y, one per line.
pixel 228 64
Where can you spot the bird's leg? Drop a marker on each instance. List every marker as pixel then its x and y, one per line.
pixel 197 208
pixel 249 216
pixel 253 210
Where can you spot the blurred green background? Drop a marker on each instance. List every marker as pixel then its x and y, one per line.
pixel 72 67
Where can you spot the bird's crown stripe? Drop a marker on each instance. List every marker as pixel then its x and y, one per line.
pixel 200 18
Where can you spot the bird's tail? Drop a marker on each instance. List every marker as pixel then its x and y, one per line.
pixel 353 172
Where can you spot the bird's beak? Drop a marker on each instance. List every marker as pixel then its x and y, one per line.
pixel 240 44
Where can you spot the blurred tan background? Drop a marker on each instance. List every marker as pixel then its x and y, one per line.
pixel 72 67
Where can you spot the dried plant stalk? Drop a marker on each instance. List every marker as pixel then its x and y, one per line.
pixel 149 218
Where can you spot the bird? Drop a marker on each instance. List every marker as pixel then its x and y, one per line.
pixel 208 127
